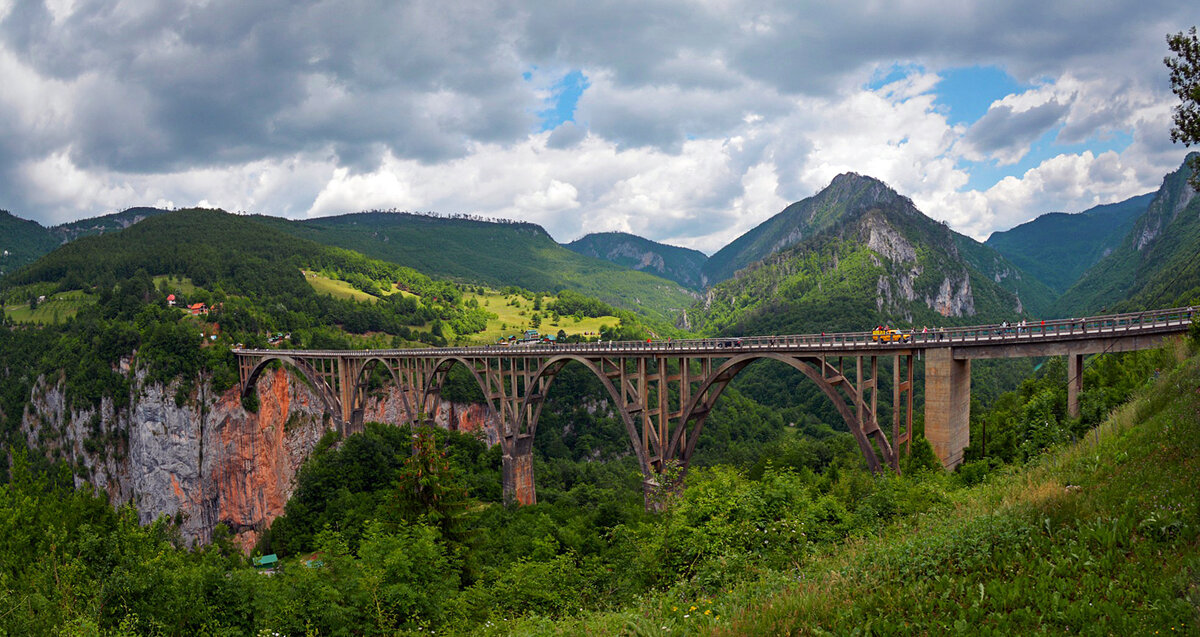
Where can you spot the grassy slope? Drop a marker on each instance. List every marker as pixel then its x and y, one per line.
pixel 515 319
pixel 1118 552
pixel 495 254
pixel 55 309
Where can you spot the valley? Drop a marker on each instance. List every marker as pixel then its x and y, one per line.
pixel 692 472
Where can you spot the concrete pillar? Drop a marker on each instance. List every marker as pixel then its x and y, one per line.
pixel 947 405
pixel 517 468
pixel 1074 383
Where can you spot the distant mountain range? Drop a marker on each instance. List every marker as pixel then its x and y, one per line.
pixel 1157 262
pixel 681 265
pixel 1058 248
pixel 22 241
pixel 853 254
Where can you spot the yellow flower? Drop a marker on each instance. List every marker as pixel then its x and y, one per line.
pixel 674 608
pixel 692 608
pixel 708 612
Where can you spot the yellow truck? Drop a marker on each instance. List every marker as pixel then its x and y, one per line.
pixel 888 335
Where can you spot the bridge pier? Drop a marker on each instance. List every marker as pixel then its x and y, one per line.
pixel 947 405
pixel 1074 383
pixel 517 467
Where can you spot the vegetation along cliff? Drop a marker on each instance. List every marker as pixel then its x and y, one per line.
pixel 859 254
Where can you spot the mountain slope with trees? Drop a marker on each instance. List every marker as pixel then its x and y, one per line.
pixel 22 242
pixel 494 253
pixel 871 258
pixel 1156 264
pixel 680 265
pixel 1057 248
pixel 794 223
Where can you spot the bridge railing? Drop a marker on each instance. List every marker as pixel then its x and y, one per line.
pixel 1023 330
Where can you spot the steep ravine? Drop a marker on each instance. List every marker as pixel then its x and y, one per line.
pixel 208 461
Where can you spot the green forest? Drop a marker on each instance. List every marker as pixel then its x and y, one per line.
pixel 1051 522
pixel 401 531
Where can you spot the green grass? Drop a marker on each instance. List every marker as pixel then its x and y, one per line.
pixel 515 319
pixel 56 308
pixel 337 289
pixel 1098 537
pixel 180 285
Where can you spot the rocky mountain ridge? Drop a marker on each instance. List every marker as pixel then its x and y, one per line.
pixel 681 265
pixel 869 253
pixel 1156 263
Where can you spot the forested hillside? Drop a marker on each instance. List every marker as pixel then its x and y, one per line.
pixel 492 253
pixel 1155 265
pixel 798 221
pixel 874 258
pixel 680 265
pixel 395 530
pixel 21 242
pixel 1057 248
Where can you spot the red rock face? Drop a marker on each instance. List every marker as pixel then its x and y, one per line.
pixel 210 461
pixel 256 456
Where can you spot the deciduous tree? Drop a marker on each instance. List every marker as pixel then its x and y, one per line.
pixel 1185 83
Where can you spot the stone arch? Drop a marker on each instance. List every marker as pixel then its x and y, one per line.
pixel 700 405
pixel 364 374
pixel 437 375
pixel 549 369
pixel 323 390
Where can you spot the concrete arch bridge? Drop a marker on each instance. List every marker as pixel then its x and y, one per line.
pixel 663 391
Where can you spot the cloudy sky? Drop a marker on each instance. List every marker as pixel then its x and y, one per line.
pixel 684 122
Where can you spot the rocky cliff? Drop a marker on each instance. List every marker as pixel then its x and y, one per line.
pixel 207 461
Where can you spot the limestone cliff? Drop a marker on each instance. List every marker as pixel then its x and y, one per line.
pixel 207 461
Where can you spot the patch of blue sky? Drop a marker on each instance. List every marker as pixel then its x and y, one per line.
pixel 564 96
pixel 985 174
pixel 967 91
pixel 895 72
pixel 963 93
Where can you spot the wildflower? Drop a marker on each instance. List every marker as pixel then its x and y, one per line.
pixel 708 611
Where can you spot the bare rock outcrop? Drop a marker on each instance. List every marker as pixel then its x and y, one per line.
pixel 206 460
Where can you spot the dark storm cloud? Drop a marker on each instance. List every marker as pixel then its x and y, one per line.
pixel 1001 129
pixel 229 82
pixel 141 87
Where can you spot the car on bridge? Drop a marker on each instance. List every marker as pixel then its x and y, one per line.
pixel 889 335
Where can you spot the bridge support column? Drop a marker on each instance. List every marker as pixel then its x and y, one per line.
pixel 947 405
pixel 1074 383
pixel 518 472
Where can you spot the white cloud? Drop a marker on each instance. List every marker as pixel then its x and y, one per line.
pixel 700 121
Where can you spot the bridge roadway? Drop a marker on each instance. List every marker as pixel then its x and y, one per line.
pixel 666 388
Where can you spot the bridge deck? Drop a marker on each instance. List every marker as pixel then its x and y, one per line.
pixel 1048 338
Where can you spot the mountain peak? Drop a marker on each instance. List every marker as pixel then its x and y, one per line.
pixel 681 265
pixel 848 194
